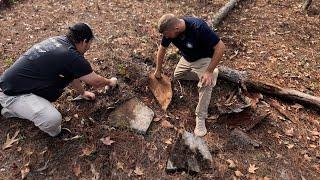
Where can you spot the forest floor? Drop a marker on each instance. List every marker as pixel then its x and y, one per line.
pixel 273 40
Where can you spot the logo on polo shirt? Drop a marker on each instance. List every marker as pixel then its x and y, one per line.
pixel 189 45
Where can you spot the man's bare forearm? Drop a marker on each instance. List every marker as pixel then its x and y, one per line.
pixel 217 56
pixel 160 56
pixel 76 84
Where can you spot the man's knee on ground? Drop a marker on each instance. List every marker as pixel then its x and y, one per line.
pixel 51 122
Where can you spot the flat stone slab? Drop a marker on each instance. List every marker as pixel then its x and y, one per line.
pixel 245 119
pixel 133 114
pixel 189 154
pixel 241 140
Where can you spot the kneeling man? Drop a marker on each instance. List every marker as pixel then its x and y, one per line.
pixel 40 75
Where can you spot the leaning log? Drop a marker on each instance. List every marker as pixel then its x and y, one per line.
pixel 223 12
pixel 241 78
pixel 306 4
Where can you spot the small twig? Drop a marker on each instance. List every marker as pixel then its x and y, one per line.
pixel 44 167
pixel 230 97
pixel 181 89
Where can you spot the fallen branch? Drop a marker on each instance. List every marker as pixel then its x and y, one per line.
pixel 223 12
pixel 241 78
pixel 306 5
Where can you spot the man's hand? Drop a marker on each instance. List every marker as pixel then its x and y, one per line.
pixel 87 95
pixel 113 82
pixel 157 74
pixel 207 79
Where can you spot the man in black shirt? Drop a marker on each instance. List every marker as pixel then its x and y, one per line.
pixel 201 51
pixel 40 75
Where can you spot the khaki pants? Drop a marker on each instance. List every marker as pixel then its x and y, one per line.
pixel 34 108
pixel 193 71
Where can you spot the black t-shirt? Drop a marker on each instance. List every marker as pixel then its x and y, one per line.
pixel 45 69
pixel 196 42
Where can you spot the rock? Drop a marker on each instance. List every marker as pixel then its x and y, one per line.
pixel 241 139
pixel 245 119
pixel 132 114
pixel 189 154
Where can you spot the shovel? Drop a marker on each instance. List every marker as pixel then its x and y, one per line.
pixel 161 89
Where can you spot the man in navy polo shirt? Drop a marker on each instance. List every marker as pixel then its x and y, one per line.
pixel 201 51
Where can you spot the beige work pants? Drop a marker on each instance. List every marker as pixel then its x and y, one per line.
pixel 193 71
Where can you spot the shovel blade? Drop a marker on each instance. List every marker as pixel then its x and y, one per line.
pixel 161 89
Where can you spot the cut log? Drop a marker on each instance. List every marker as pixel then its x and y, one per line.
pixel 223 12
pixel 241 78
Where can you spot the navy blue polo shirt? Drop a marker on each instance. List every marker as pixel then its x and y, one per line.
pixel 45 69
pixel 196 42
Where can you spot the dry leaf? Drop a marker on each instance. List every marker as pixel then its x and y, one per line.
pixel 87 151
pixel 289 132
pixel 307 157
pixel 10 141
pixel 107 141
pixel 290 146
pixel 138 171
pixel 297 107
pixel 25 171
pixel 77 169
pixel 166 124
pixel 252 168
pixel 19 148
pixel 312 146
pixel 277 135
pixel 232 165
pixel 96 175
pixel 72 138
pixel 315 133
pixel 168 141
pixel 67 119
pixel 238 173
pixel 264 178
pixel 120 165
pixel 76 116
pixel 156 119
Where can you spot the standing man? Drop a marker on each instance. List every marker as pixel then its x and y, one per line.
pixel 201 51
pixel 40 75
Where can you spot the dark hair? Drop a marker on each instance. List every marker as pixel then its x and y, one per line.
pixel 79 32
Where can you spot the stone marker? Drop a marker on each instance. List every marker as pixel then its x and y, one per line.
pixel 241 140
pixel 132 114
pixel 190 154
